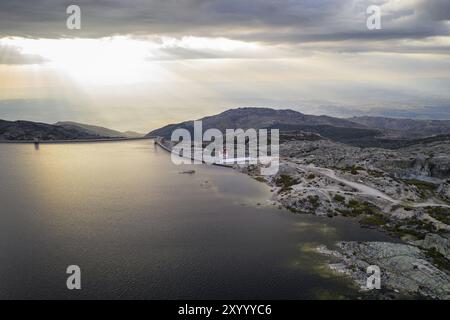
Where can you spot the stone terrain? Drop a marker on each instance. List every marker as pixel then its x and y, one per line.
pixel 405 269
pixel 389 174
pixel 404 192
pixel 405 127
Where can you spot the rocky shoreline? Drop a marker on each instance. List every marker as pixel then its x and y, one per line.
pixel 375 187
pixel 404 268
pixel 331 179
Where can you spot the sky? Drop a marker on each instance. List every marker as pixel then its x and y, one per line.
pixel 138 65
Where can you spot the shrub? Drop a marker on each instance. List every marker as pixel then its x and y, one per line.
pixel 311 176
pixel 314 200
pixel 374 220
pixel 285 182
pixel 260 179
pixel 339 198
pixel 440 213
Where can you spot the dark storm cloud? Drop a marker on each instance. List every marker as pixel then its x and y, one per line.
pixel 46 18
pixel 438 10
pixel 275 21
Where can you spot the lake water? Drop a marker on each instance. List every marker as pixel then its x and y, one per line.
pixel 139 229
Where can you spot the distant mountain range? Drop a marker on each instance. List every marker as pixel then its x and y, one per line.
pixel 259 118
pixel 417 128
pixel 28 130
pixel 100 131
pixel 362 131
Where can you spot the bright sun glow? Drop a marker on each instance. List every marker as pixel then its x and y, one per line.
pixel 116 60
pixel 102 61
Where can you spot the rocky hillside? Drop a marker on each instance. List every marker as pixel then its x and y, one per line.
pixel 96 130
pixel 359 131
pixel 406 127
pixel 28 131
pixel 285 120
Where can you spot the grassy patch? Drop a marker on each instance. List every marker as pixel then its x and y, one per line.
pixel 358 208
pixel 353 169
pixel 421 225
pixel 260 179
pixel 285 182
pixel 439 213
pixel 438 259
pixel 339 198
pixel 406 232
pixel 425 188
pixel 415 227
pixel 375 220
pixel 314 201
pixel 375 173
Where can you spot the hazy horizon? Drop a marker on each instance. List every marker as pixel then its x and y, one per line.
pixel 419 114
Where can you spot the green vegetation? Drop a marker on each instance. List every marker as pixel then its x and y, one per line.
pixel 331 213
pixel 356 208
pixel 398 206
pixel 369 213
pixel 285 182
pixel 440 213
pixel 314 201
pixel 374 220
pixel 420 225
pixel 425 188
pixel 311 176
pixel 401 232
pixel 422 185
pixel 339 198
pixel 415 227
pixel 353 169
pixel 438 259
pixel 292 209
pixel 376 173
pixel 260 179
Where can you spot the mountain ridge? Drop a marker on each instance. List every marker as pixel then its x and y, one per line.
pixel 258 118
pixel 414 126
pixel 21 130
pixel 367 130
pixel 102 131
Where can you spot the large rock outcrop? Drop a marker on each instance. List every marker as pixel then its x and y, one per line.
pixel 404 268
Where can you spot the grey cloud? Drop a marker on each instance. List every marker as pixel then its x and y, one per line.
pixel 273 21
pixel 176 53
pixel 438 10
pixel 12 55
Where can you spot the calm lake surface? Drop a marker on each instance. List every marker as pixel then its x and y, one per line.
pixel 140 229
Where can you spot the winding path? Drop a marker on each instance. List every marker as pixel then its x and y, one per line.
pixel 364 189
